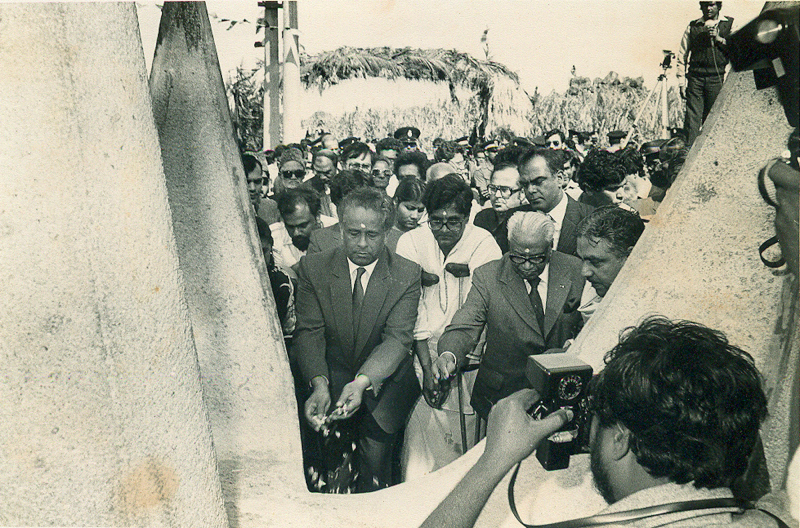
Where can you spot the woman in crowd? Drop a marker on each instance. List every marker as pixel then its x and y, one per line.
pixel 409 209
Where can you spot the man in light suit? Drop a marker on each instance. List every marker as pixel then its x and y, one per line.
pixel 527 302
pixel 538 177
pixel 356 309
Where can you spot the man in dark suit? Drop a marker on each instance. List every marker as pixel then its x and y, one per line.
pixel 356 309
pixel 538 177
pixel 507 300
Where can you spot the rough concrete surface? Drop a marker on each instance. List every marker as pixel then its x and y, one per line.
pixel 243 363
pixel 102 421
pixel 102 417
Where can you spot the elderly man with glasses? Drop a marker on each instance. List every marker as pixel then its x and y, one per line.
pixel 505 194
pixel 526 302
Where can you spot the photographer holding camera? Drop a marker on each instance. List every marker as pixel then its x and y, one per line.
pixel 675 416
pixel 703 58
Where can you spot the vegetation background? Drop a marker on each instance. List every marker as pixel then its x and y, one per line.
pixel 485 99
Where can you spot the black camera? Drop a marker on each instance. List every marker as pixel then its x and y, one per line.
pixel 768 45
pixel 562 381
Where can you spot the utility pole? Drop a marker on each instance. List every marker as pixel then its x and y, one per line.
pixel 291 74
pixel 272 95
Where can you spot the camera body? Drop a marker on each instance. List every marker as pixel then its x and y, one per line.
pixel 562 381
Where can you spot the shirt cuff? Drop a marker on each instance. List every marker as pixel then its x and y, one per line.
pixel 327 381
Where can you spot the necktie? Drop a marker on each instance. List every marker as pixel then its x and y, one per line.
pixel 536 302
pixel 358 297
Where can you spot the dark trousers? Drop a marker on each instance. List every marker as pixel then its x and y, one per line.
pixel 701 92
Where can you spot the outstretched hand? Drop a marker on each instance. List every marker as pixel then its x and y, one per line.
pixel 512 434
pixel 317 406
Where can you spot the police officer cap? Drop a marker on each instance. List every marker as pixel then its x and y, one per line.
pixel 463 141
pixel 651 148
pixel 346 142
pixel 539 141
pixel 407 134
pixel 490 146
pixel 616 135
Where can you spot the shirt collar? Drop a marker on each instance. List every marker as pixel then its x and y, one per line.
pixel 558 212
pixel 353 267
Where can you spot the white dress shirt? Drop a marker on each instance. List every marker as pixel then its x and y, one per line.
pixel 557 216
pixel 541 287
pixel 364 278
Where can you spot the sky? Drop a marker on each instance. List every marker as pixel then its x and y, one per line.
pixel 540 40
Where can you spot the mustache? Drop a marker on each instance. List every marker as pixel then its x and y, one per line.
pixel 301 242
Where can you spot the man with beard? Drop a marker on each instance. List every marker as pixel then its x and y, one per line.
pixel 300 216
pixel 675 416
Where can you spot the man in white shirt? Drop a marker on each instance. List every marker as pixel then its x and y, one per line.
pixel 538 177
pixel 447 247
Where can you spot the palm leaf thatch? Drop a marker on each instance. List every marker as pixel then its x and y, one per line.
pixel 457 69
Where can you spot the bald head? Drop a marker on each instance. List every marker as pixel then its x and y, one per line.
pixel 529 228
pixel 438 170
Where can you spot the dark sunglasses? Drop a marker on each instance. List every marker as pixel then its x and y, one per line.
pixel 295 174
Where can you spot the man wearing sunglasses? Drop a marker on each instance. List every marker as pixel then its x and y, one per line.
pixel 291 170
pixel 527 303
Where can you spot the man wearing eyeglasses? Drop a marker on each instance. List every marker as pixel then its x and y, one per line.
pixel 446 248
pixel 358 156
pixel 505 194
pixel 527 303
pixel 538 177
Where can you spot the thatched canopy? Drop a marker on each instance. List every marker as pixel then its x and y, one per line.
pixel 486 79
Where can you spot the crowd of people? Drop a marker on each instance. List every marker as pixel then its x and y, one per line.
pixel 412 288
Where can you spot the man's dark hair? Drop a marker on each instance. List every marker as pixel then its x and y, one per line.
pixel 249 163
pixel 289 199
pixel 632 160
pixel 325 153
pixel 389 143
pixel 692 401
pixel 555 132
pixel 264 232
pixel 371 199
pixel 450 189
pixel 508 157
pixel 412 158
pixel 356 150
pixel 617 226
pixel 345 181
pixel 551 157
pixel 409 190
pixel 600 169
pixel 445 151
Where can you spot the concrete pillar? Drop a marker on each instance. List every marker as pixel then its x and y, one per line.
pixel 246 380
pixel 292 130
pixel 272 78
pixel 102 421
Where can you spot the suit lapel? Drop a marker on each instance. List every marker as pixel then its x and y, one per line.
pixel 516 293
pixel 558 285
pixel 342 299
pixel 374 297
pixel 568 226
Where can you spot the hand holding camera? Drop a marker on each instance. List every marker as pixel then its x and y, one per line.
pixel 512 433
